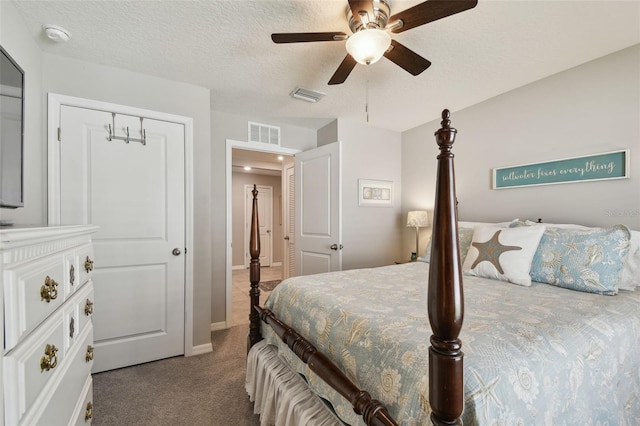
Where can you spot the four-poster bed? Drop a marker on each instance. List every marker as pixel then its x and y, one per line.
pixel 531 356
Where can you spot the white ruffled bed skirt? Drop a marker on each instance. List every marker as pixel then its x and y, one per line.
pixel 280 395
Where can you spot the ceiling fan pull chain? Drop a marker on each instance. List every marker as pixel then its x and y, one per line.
pixel 366 104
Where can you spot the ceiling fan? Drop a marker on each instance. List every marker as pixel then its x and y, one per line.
pixel 371 22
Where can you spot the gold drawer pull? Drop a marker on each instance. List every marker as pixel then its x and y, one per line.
pixel 72 274
pixel 88 307
pixel 88 265
pixel 88 413
pixel 49 289
pixel 89 356
pixel 49 360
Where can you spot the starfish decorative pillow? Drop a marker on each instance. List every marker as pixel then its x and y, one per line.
pixel 503 254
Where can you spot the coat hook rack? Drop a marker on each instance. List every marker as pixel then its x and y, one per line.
pixel 126 138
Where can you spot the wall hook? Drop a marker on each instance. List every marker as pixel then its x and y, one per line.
pixel 111 136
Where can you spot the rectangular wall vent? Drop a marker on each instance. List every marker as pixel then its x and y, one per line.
pixel 264 133
pixel 306 94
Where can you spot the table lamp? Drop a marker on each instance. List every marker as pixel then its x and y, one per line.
pixel 417 219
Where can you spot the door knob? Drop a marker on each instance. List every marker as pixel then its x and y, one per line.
pixel 176 251
pixel 335 247
pixel 286 237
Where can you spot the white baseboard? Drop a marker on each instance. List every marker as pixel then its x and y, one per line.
pixel 222 325
pixel 201 349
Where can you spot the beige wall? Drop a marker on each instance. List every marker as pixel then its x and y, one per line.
pixel 328 134
pixel 238 230
pixel 370 235
pixel 589 109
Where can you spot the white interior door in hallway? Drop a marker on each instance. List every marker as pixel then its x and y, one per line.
pixel 135 193
pixel 288 208
pixel 265 221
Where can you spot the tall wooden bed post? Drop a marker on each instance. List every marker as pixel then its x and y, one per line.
pixel 445 305
pixel 254 274
pixel 445 297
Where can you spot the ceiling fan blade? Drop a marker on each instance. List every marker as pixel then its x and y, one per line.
pixel 343 71
pixel 429 11
pixel 306 37
pixel 362 6
pixel 406 58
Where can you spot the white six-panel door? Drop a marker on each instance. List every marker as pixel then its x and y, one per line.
pixel 136 194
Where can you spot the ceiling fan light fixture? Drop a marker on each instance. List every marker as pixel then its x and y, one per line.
pixel 367 46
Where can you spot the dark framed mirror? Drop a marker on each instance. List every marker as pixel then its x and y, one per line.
pixel 11 132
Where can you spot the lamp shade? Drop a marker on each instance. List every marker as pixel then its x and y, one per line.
pixel 367 46
pixel 418 218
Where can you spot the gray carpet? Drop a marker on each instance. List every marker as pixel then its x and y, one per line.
pixel 201 390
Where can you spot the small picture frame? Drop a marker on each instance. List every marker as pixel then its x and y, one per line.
pixel 376 193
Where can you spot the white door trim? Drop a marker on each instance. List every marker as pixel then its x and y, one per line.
pixel 55 101
pixel 250 146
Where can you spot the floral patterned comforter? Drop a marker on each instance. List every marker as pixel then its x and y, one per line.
pixel 537 355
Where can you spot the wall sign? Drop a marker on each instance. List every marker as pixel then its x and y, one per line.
pixel 608 165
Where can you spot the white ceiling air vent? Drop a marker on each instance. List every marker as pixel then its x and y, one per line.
pixel 264 133
pixel 306 94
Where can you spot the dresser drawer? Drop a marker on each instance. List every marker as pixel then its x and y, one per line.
pixel 83 414
pixel 84 256
pixel 32 292
pixel 78 313
pixel 57 403
pixel 31 365
pixel 40 385
pixel 79 267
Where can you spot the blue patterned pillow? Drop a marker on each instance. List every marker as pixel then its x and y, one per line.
pixel 464 238
pixel 583 260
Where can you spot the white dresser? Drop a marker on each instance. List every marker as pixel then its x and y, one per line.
pixel 47 299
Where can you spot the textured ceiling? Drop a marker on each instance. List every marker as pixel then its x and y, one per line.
pixel 226 46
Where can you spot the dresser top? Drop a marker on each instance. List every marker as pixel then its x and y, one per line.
pixel 11 237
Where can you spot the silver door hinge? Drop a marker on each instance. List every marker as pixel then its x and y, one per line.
pixel 59 132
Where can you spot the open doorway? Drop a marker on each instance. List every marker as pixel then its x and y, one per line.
pixel 263 166
pixel 269 184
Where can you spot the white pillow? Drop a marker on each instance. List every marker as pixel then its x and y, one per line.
pixel 559 225
pixel 503 254
pixel 467 224
pixel 630 275
pixel 465 233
